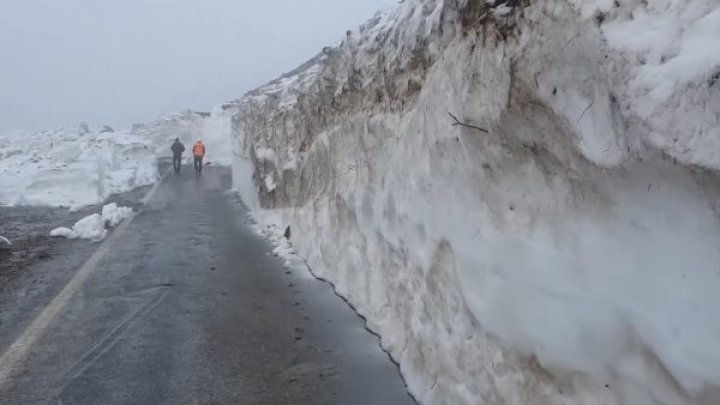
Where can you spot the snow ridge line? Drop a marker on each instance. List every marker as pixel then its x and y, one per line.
pixel 21 347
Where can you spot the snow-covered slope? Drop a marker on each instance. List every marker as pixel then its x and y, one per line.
pixel 522 201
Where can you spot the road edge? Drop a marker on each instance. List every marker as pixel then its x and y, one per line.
pixel 21 347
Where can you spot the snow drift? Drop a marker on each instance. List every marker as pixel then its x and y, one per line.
pixel 521 197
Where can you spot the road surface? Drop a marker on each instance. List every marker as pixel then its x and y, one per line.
pixel 185 305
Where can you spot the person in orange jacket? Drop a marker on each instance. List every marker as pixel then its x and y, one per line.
pixel 198 154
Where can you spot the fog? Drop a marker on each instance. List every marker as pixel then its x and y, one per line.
pixel 120 62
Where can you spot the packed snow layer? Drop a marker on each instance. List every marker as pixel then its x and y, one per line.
pixel 72 167
pixel 94 227
pixel 556 240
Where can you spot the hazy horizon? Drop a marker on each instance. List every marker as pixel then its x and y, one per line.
pixel 118 63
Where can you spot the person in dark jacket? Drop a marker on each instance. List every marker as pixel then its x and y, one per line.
pixel 177 149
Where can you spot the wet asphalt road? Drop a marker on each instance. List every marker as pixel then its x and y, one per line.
pixel 188 306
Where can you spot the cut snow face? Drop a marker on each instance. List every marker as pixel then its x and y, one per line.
pixel 71 167
pixel 567 254
pixel 94 227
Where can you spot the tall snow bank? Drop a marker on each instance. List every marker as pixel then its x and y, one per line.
pixel 556 240
pixel 78 167
pixel 112 215
pixel 72 167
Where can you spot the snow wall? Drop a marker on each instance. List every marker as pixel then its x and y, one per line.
pixel 72 167
pixel 556 240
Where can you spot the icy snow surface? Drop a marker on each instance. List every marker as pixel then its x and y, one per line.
pixel 568 255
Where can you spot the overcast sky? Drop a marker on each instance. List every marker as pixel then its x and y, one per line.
pixel 126 61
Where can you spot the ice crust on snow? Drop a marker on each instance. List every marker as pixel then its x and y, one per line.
pixel 567 256
pixel 94 227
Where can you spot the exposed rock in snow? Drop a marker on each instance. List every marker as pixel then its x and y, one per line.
pixel 569 255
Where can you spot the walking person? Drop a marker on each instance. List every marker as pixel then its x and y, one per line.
pixel 177 149
pixel 198 154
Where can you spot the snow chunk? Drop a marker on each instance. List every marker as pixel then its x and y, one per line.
pixel 62 232
pixel 112 215
pixel 270 184
pixel 265 154
pixel 93 227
